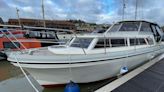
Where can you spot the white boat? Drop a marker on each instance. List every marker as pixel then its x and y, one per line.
pixel 93 57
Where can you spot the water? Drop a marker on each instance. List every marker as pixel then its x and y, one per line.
pixel 10 74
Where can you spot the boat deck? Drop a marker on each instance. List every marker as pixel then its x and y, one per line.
pixel 146 78
pixel 43 51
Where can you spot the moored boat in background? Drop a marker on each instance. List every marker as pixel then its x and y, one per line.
pixel 18 39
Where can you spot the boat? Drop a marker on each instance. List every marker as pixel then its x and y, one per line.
pixel 93 57
pixel 17 39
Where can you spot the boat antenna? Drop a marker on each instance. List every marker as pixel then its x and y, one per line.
pixel 136 9
pixel 123 9
pixel 142 15
pixel 19 21
pixel 44 22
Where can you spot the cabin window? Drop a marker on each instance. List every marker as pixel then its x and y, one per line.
pixel 150 41
pixel 98 31
pixel 110 43
pixel 163 38
pixel 155 33
pixel 154 30
pixel 130 26
pixel 118 42
pixel 32 34
pixel 133 42
pixel 81 42
pixel 38 34
pixel 146 27
pixel 115 28
pixel 11 45
pixel 158 36
pixel 137 41
pixel 41 34
pixel 141 41
pixel 102 43
pixel 158 29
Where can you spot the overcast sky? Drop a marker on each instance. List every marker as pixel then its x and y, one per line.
pixel 97 11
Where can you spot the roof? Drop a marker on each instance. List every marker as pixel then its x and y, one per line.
pixel 59 22
pixel 116 34
pixel 138 21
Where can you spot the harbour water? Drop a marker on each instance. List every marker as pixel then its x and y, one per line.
pixel 9 73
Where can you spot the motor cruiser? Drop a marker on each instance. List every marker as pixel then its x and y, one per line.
pixel 93 57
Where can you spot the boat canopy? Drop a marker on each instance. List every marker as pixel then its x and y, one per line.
pixel 139 27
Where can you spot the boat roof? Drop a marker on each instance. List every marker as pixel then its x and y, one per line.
pixel 122 33
pixel 137 21
pixel 116 34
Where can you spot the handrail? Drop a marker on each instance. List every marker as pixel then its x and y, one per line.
pixel 82 48
pixel 39 41
pixel 105 44
pixel 80 43
pixel 17 40
pixel 10 40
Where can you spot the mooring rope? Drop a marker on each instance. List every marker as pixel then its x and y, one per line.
pixel 28 79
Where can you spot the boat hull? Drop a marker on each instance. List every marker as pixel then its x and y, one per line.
pixel 52 73
pixel 84 72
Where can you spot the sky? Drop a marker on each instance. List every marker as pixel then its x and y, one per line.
pixel 94 11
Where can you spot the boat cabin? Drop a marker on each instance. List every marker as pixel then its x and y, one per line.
pixel 121 36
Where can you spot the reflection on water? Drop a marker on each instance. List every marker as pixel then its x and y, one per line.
pixel 9 72
pixel 19 84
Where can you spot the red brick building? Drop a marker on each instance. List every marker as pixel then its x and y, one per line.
pixel 39 23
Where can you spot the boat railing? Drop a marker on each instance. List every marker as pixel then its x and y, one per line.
pixel 79 43
pixel 61 44
pixel 9 38
pixel 6 32
pixel 16 39
pixel 105 44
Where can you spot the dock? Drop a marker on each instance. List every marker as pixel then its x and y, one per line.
pixel 146 78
